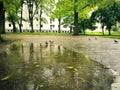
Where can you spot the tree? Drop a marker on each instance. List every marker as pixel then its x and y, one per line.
pixel 2 24
pixel 80 6
pixel 110 21
pixel 58 13
pixel 12 13
pixel 98 16
pixel 85 24
pixel 63 11
pixel 30 4
pixel 116 9
pixel 37 6
pixel 45 6
pixel 11 8
pixel 107 16
pixel 41 8
pixel 33 6
pixel 74 8
pixel 59 18
pixel 21 12
pixel 2 17
pixel 84 21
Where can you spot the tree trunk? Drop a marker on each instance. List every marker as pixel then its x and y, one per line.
pixel 109 31
pixel 76 31
pixel 103 31
pixel 84 31
pixel 13 23
pixel 40 18
pixel 31 24
pixel 71 29
pixel 2 18
pixel 30 11
pixel 3 30
pixel 59 20
pixel 20 25
pixel 83 25
pixel 14 27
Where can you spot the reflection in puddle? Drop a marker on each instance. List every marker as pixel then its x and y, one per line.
pixel 33 66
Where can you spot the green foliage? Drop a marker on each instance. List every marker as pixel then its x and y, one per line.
pixel 115 29
pixel 107 16
pixel 85 24
pixel 2 19
pixel 67 21
pixel 116 9
pixel 12 9
pixel 65 10
pixel 11 6
pixel 41 6
pixel 12 17
pixel 43 19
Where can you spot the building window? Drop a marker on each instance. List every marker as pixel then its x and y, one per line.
pixel 52 26
pixel 9 25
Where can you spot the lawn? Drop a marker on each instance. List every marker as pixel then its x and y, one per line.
pixel 114 34
pixel 39 33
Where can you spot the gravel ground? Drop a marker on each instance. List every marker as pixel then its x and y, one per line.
pixel 102 50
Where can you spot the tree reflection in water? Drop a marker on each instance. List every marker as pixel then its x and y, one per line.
pixel 33 66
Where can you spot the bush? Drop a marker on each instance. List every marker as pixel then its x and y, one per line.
pixel 115 29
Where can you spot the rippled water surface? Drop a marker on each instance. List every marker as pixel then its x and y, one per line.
pixel 33 66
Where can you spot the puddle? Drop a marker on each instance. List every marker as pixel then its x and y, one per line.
pixel 33 66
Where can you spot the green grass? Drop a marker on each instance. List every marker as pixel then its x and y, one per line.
pixel 114 34
pixel 39 33
pixel 96 33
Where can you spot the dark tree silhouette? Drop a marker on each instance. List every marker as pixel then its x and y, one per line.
pixel 2 20
pixel 107 16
